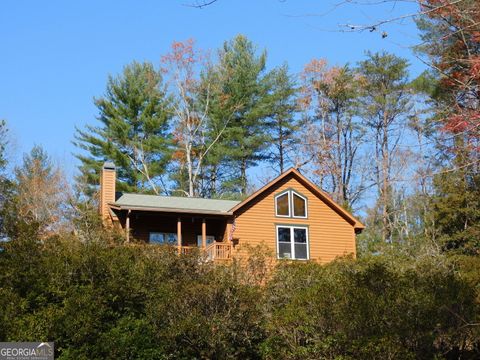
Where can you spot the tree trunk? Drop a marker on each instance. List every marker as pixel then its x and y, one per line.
pixel 385 180
pixel 280 150
pixel 190 172
pixel 243 176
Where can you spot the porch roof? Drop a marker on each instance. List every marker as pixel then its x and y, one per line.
pixel 143 202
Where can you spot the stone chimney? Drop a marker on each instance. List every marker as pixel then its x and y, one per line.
pixel 107 190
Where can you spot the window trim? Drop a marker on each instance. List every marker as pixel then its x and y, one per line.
pixel 292 243
pixel 289 203
pixel 291 206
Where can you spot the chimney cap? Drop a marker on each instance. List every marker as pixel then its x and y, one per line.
pixel 108 165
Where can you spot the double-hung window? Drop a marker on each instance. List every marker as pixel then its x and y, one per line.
pixel 290 204
pixel 292 242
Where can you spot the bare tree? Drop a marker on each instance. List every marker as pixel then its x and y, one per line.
pixel 192 95
pixel 385 105
pixel 333 135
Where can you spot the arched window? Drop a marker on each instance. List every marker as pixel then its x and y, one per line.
pixel 290 204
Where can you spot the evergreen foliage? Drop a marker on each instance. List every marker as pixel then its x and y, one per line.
pixel 134 116
pixel 246 90
pixel 98 300
pixel 282 122
pixel 456 210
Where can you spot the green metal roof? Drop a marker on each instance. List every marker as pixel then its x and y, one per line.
pixel 174 204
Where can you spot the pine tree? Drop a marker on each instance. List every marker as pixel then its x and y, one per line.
pixel 245 92
pixel 385 106
pixel 456 210
pixel 282 122
pixel 134 117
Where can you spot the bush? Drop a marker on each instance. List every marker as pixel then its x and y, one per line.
pixel 370 308
pixel 101 300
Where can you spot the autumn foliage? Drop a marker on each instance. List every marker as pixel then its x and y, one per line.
pixel 454 46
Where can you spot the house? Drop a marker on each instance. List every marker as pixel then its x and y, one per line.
pixel 290 215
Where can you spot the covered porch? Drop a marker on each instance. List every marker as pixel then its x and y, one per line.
pixel 188 232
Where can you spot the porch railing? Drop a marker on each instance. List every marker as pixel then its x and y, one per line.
pixel 185 250
pixel 219 251
pixel 214 251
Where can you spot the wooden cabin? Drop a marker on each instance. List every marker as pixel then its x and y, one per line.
pixel 290 216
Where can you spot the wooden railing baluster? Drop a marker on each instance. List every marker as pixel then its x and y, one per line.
pixel 214 251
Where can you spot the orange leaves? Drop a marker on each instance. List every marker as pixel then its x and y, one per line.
pixel 475 67
pixel 181 66
pixel 182 53
pixel 179 156
pixel 320 82
pixel 465 121
pixel 438 8
pixel 314 67
pixel 312 77
pixel 455 28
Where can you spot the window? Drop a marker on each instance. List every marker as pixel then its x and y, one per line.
pixel 299 206
pixel 282 203
pixel 210 239
pixel 291 204
pixel 162 238
pixel 292 242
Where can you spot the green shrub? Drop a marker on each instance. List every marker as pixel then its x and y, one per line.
pixel 101 300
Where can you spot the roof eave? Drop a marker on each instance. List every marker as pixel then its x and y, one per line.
pixel 169 210
pixel 357 225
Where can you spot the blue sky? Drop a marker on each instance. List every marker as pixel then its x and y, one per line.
pixel 56 55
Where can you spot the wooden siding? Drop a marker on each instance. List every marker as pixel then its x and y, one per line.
pixel 329 234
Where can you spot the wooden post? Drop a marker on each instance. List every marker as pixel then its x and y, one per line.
pixel 229 231
pixel 204 234
pixel 127 226
pixel 179 235
pixel 229 240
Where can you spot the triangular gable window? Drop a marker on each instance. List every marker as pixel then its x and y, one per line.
pixel 290 204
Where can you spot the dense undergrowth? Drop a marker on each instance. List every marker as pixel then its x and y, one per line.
pixel 101 300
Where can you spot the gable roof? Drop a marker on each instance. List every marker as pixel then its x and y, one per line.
pixel 173 204
pixel 358 226
pixel 143 202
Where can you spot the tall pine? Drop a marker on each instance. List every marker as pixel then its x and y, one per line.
pixel 282 122
pixel 245 93
pixel 134 117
